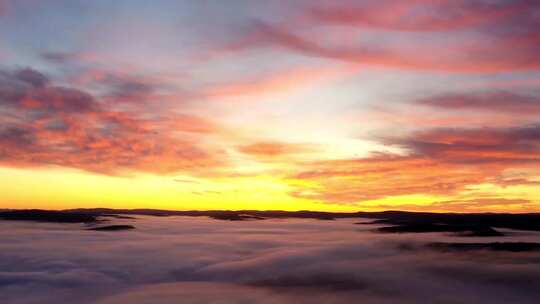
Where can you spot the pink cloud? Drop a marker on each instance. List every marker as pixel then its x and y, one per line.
pixel 415 15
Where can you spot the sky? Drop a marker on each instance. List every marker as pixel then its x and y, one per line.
pixel 424 105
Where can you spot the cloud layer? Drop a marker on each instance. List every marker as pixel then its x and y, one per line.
pixel 273 261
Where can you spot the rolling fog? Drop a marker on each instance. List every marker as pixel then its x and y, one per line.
pixel 201 260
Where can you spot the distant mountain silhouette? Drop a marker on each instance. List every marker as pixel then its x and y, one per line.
pixel 236 217
pixel 473 224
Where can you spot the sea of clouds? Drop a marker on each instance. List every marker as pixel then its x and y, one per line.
pixel 200 260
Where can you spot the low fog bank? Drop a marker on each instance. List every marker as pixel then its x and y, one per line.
pixel 201 260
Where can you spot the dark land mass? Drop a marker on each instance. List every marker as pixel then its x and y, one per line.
pixel 48 216
pixel 236 217
pixel 497 246
pixel 117 216
pixel 523 221
pixel 112 228
pixel 224 214
pixel 473 224
pixel 458 229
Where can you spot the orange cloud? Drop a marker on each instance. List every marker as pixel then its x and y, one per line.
pixel 439 162
pixel 72 128
pixel 355 180
pixel 273 149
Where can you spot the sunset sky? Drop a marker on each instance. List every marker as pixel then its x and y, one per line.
pixel 425 105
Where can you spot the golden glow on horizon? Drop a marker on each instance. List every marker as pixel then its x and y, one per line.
pixel 57 188
pixel 76 189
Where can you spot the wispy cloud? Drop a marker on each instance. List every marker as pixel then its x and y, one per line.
pixel 418 15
